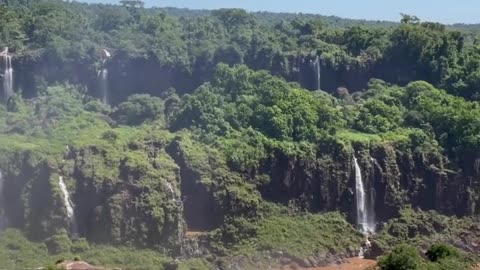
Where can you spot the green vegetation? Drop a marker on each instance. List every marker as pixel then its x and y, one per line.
pixel 211 128
pixel 303 236
pixel 17 252
pixel 405 257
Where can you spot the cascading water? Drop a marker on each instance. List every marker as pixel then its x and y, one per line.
pixel 365 208
pixel 103 80
pixel 365 214
pixel 68 204
pixel 3 218
pixel 7 75
pixel 318 67
pixel 172 192
pixel 476 165
pixel 103 77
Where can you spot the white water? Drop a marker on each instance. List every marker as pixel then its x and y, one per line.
pixel 476 165
pixel 106 54
pixel 103 81
pixel 364 200
pixel 367 245
pixel 7 75
pixel 103 77
pixel 172 192
pixel 68 204
pixel 317 65
pixel 3 218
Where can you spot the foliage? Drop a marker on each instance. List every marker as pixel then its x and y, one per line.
pixel 405 257
pixel 138 109
pixel 402 257
pixel 306 235
pixel 439 252
pixel 241 104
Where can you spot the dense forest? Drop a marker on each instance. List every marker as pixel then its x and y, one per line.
pixel 182 139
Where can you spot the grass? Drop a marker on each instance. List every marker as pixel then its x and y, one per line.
pixel 356 136
pixel 17 252
pixel 398 136
pixel 306 235
pixel 299 235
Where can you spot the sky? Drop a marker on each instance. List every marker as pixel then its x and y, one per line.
pixel 444 11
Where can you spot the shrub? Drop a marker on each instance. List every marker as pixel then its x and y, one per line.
pixel 438 252
pixel 138 109
pixel 403 257
pixel 59 243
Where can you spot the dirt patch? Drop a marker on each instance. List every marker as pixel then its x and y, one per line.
pixel 195 234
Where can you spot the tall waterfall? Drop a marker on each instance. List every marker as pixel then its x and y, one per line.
pixel 3 218
pixel 68 204
pixel 103 77
pixel 103 81
pixel 7 75
pixel 318 70
pixel 365 203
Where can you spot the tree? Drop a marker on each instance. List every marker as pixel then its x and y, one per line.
pixel 133 7
pixel 234 18
pixel 409 19
pixel 138 109
pixel 132 3
pixel 438 252
pixel 402 257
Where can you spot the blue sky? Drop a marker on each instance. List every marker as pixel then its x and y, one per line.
pixel 445 11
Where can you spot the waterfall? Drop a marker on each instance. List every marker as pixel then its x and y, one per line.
pixel 103 77
pixel 476 165
pixel 319 76
pixel 68 204
pixel 103 81
pixel 366 246
pixel 3 218
pixel 7 75
pixel 317 66
pixel 172 192
pixel 364 200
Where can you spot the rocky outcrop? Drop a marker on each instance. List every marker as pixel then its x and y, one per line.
pixel 120 196
pixel 399 177
pixel 147 193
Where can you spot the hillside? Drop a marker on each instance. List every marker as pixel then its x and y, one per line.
pixel 148 139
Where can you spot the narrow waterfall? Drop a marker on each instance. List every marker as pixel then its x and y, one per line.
pixel 69 205
pixel 319 76
pixel 7 75
pixel 365 209
pixel 103 77
pixel 3 218
pixel 103 81
pixel 476 165
pixel 365 199
pixel 172 192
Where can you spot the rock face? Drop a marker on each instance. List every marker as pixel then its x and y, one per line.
pixel 148 192
pixel 119 195
pixel 144 73
pixel 399 177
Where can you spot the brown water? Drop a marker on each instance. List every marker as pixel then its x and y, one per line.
pixel 351 264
